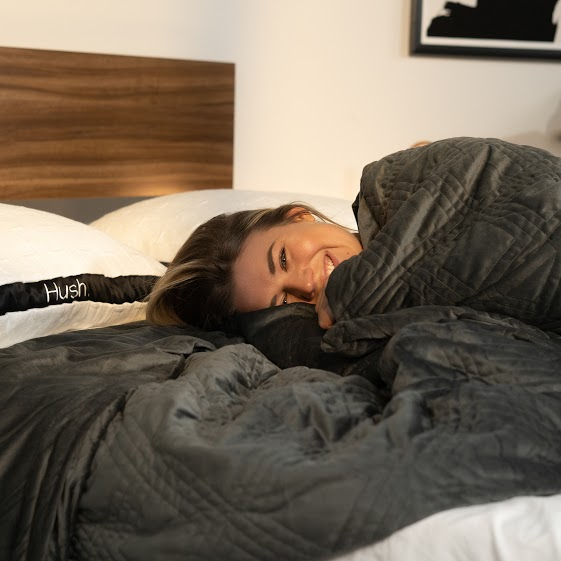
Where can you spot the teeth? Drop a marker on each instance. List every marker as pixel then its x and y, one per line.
pixel 329 265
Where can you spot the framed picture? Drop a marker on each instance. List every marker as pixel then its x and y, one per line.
pixel 505 28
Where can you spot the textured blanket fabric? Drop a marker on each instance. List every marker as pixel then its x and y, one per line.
pixel 59 394
pixel 142 444
pixel 467 221
pixel 439 386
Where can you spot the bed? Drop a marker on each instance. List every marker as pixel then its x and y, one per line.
pixel 386 438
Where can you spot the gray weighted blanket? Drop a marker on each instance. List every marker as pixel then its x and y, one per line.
pixel 439 386
pixel 466 221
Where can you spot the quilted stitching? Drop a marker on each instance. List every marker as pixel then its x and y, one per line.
pixel 455 224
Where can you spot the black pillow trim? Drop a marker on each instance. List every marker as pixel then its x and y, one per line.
pixel 22 296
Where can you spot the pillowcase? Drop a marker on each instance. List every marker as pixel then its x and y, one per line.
pixel 159 226
pixel 57 275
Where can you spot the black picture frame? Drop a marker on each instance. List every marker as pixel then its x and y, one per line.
pixel 463 30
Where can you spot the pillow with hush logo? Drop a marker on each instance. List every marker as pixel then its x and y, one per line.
pixel 159 226
pixel 58 275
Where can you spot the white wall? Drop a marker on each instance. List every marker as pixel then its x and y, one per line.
pixel 323 86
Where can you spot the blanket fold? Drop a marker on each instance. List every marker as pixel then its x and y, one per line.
pixel 438 387
pixel 217 452
pixel 461 222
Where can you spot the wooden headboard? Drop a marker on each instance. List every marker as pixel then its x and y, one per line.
pixel 91 125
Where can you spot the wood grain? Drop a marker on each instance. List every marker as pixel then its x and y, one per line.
pixel 91 125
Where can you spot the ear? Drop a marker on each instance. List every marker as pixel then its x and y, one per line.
pixel 300 213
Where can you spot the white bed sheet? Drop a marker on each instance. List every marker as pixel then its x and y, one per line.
pixel 518 529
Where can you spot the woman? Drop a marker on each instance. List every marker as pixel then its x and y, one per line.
pixel 466 222
pixel 251 260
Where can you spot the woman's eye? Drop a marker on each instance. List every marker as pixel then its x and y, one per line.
pixel 282 259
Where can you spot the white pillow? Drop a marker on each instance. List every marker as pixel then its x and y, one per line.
pixel 58 275
pixel 160 226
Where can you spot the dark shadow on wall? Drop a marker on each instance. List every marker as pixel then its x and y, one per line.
pixel 518 20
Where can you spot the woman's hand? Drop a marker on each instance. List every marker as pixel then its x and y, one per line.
pixel 325 316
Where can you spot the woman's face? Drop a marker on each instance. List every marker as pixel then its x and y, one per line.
pixel 289 263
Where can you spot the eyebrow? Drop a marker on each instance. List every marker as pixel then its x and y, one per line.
pixel 270 260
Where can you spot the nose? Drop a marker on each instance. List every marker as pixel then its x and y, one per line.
pixel 300 284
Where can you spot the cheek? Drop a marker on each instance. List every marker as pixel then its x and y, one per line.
pixel 242 279
pixel 355 244
pixel 252 290
pixel 306 249
pixel 307 245
pixel 244 296
pixel 335 236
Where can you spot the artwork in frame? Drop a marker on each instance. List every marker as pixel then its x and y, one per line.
pixel 506 28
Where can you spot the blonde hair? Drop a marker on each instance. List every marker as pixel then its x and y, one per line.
pixel 198 286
